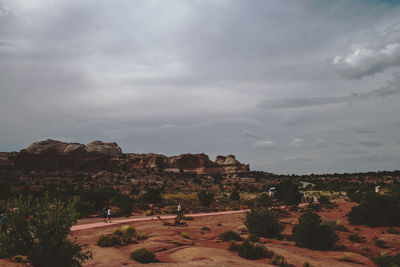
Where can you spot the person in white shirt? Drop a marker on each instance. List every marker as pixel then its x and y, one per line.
pixel 109 214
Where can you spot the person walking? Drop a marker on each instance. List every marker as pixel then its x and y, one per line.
pixel 109 214
pixel 179 209
pixel 105 215
pixel 152 211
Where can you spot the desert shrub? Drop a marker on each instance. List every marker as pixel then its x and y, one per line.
pixel 336 226
pixel 279 260
pixel 205 228
pixel 380 243
pixel 310 233
pixel 45 238
pixel 376 210
pixel 251 251
pixel 307 264
pixel 354 237
pixel 205 198
pixel 230 235
pixel 264 200
pixel 143 255
pixel 253 238
pixel 386 260
pixel 393 231
pixel 152 195
pixel 185 235
pixel 124 203
pixel 288 193
pixel 324 200
pixel 263 222
pixel 109 240
pixel 235 195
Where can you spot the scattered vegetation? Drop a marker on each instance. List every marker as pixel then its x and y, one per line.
pixel 376 210
pixel 380 243
pixel 386 260
pixel 310 233
pixel 393 231
pixel 205 198
pixel 263 222
pixel 251 251
pixel 123 235
pixel 229 236
pixel 143 255
pixel 354 237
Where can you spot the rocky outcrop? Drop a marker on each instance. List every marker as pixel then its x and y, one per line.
pixel 52 155
pixel 111 149
pixel 56 155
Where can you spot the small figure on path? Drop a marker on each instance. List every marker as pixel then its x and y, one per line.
pixel 109 214
pixel 105 215
pixel 152 211
pixel 179 209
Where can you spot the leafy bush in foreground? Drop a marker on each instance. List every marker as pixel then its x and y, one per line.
pixel 143 255
pixel 230 235
pixel 263 222
pixel 41 230
pixel 251 251
pixel 310 233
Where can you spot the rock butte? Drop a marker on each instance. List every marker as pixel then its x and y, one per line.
pixel 56 155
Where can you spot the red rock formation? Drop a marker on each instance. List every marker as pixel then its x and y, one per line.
pixel 54 155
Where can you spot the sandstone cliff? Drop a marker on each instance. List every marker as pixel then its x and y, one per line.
pixel 56 155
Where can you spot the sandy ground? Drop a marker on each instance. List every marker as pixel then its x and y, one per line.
pixel 191 246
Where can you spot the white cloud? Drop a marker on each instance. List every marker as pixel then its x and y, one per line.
pixel 264 144
pixel 365 62
pixel 297 142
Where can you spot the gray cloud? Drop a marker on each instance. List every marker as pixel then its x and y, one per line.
pixel 392 88
pixel 203 76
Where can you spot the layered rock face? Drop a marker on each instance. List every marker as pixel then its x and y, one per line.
pixel 56 155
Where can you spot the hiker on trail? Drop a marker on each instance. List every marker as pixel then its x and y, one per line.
pixel 109 214
pixel 179 209
pixel 152 211
pixel 105 215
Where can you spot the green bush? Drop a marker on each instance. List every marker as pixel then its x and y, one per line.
pixel 376 210
pixel 279 261
pixel 263 222
pixel 335 226
pixel 393 231
pixel 40 229
pixel 288 193
pixel 230 235
pixel 310 233
pixel 386 260
pixel 143 255
pixel 380 243
pixel 251 251
pixel 205 198
pixel 235 195
pixel 109 240
pixel 354 238
pixel 253 238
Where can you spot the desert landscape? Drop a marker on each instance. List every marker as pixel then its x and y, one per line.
pixel 199 133
pixel 217 200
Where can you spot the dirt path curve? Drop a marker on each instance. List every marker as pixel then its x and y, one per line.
pixel 165 217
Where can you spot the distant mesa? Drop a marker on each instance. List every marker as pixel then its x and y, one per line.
pixel 57 155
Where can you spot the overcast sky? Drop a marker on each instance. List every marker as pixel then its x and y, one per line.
pixel 287 86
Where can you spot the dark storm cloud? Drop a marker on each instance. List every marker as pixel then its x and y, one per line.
pixel 241 77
